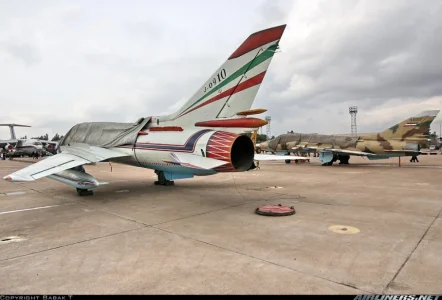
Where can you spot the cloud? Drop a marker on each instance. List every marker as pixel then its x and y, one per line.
pixel 65 63
pixel 24 52
pixel 380 56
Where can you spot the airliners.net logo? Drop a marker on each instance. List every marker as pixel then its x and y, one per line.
pixel 398 297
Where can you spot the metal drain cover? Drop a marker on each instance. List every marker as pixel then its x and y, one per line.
pixel 275 210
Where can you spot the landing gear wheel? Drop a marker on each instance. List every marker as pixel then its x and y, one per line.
pixel 166 182
pixel 258 150
pixel 162 179
pixel 287 161
pixel 84 192
pixel 343 159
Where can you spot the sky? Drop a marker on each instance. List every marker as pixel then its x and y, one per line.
pixel 67 62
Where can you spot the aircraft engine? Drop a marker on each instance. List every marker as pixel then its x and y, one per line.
pixel 9 147
pixel 237 150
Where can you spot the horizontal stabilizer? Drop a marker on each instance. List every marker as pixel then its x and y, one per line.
pixel 249 112
pixel 15 125
pixel 402 151
pixel 235 123
pixel 278 157
pixel 195 161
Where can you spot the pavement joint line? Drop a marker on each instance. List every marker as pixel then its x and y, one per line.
pixel 114 214
pixel 358 206
pixel 411 253
pixel 423 188
pixel 74 243
pixel 211 211
pixel 32 208
pixel 260 259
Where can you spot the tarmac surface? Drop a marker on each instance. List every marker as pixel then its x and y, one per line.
pixel 368 227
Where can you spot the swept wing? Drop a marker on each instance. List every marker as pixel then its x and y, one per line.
pixel 71 156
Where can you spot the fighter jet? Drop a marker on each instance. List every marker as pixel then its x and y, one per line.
pixel 201 138
pixel 402 139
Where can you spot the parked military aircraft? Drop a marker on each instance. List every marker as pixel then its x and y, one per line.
pixel 202 138
pixel 402 139
pixel 15 146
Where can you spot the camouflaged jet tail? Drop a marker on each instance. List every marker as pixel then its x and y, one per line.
pixel 414 128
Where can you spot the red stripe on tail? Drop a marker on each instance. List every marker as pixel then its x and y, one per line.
pixel 259 39
pixel 236 89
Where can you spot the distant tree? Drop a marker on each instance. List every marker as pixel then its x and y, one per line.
pixel 57 137
pixel 261 138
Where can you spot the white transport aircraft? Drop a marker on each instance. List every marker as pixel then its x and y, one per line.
pixel 201 138
pixel 15 146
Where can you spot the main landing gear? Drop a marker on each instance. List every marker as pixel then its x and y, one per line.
pixel 84 192
pixel 343 160
pixel 162 179
pixel 287 161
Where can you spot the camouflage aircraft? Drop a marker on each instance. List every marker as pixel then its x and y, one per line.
pixel 403 139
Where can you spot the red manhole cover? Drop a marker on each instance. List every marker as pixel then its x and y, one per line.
pixel 275 210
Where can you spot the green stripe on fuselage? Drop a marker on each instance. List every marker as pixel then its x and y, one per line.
pixel 250 65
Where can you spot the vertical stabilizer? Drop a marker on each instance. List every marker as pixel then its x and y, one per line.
pixel 11 129
pixel 232 88
pixel 415 128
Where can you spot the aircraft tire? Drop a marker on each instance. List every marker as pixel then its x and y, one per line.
pixel 84 192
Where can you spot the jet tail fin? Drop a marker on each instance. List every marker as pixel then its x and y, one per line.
pixel 11 129
pixel 415 128
pixel 232 88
